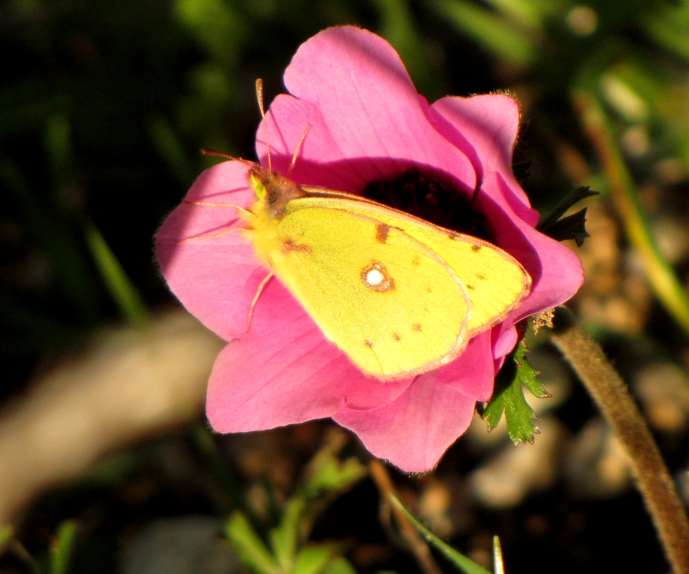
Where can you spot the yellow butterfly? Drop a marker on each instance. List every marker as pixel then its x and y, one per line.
pixel 397 294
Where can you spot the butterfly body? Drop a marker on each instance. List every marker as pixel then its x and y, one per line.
pixel 398 295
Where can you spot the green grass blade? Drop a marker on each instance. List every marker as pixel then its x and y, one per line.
pixel 462 563
pixel 661 276
pixel 63 547
pixel 170 149
pixel 490 30
pixel 121 288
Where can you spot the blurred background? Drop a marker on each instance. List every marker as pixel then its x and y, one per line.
pixel 106 462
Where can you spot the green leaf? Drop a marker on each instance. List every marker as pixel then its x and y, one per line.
pixel 314 559
pixel 249 545
pixel 284 538
pixel 62 548
pixel 571 226
pixel 509 398
pixel 458 559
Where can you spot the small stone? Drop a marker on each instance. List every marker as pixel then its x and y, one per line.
pixel 516 471
pixel 596 465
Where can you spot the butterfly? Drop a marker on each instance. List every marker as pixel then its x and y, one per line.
pixel 398 295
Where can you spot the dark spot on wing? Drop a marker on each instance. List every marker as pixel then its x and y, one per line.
pixel 289 245
pixel 476 247
pixel 480 276
pixel 416 327
pixel 382 232
pixel 396 336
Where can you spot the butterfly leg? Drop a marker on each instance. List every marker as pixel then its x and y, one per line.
pixel 259 291
pixel 210 234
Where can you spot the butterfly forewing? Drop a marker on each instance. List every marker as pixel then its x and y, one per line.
pixel 495 282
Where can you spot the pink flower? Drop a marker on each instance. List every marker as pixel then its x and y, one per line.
pixel 367 123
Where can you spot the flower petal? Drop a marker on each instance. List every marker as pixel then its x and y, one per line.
pixel 284 371
pixel 555 270
pixel 369 104
pixel 415 430
pixel 213 271
pixel 490 124
pixel 291 122
pixel 471 373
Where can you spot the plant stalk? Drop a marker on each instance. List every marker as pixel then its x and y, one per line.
pixel 614 400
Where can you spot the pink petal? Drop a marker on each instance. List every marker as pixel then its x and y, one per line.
pixel 555 269
pixel 369 105
pixel 211 270
pixel 414 431
pixel 283 372
pixel 505 337
pixel 320 161
pixel 490 123
pixel 472 373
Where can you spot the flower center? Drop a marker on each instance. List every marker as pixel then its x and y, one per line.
pixel 430 197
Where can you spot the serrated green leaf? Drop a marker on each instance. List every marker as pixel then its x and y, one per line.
pixel 458 559
pixel 509 399
pixel 527 374
pixel 314 559
pixel 249 545
pixel 284 538
pixel 63 547
pixel 571 226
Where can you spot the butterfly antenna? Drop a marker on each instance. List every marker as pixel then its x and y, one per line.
pixel 262 110
pixel 297 150
pixel 211 152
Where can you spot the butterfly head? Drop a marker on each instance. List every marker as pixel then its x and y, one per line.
pixel 273 191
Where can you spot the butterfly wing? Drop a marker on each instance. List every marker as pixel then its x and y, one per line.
pixel 382 296
pixel 494 280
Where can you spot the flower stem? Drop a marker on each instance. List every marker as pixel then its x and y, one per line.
pixel 617 405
